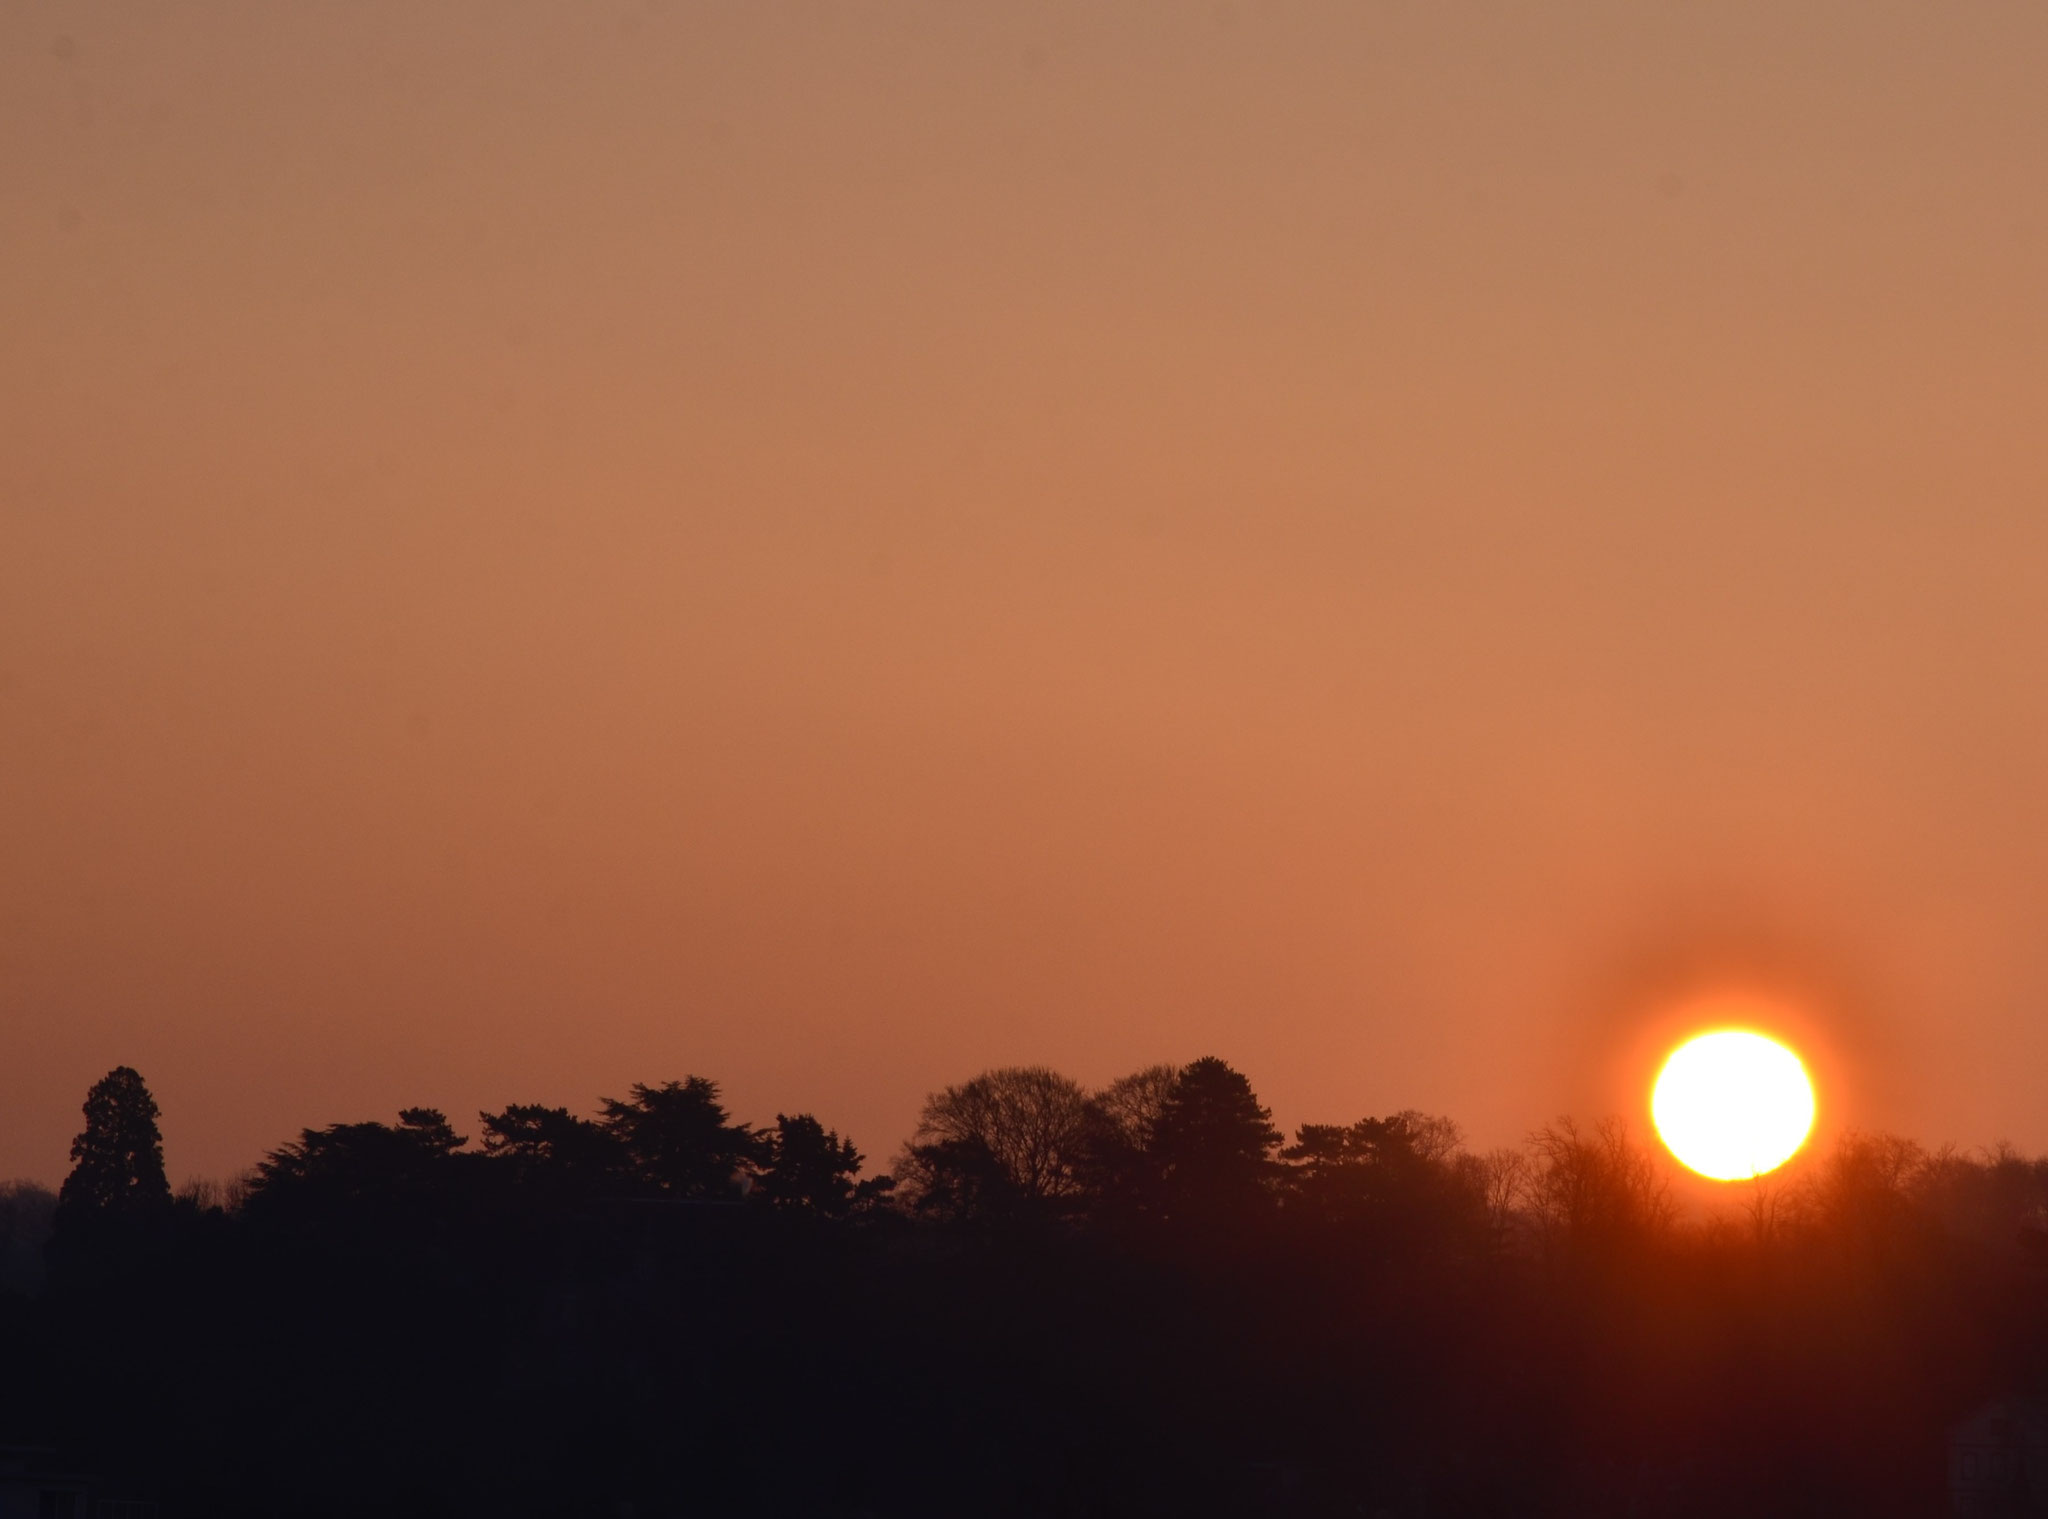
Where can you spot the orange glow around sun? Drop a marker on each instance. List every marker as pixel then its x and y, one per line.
pixel 1732 1104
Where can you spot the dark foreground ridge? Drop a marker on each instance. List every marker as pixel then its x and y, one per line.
pixel 1136 1301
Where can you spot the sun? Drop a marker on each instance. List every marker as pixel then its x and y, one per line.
pixel 1732 1104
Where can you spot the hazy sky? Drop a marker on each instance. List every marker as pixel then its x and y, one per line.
pixel 833 546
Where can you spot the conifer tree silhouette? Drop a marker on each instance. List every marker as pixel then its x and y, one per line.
pixel 118 1160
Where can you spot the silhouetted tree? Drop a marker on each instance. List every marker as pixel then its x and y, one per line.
pixel 810 1166
pixel 1501 1178
pixel 1213 1143
pixel 1119 1169
pixel 553 1146
pixel 117 1165
pixel 1339 1171
pixel 1596 1193
pixel 1010 1138
pixel 348 1163
pixel 1864 1195
pixel 679 1141
pixel 1133 1104
pixel 1991 1197
pixel 961 1180
pixel 1384 1190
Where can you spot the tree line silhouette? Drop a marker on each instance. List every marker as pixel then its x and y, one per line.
pixel 1143 1299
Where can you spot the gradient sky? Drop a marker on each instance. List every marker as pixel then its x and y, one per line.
pixel 833 546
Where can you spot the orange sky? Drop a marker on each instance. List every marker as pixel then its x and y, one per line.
pixel 835 546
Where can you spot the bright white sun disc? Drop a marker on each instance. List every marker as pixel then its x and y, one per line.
pixel 1733 1104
